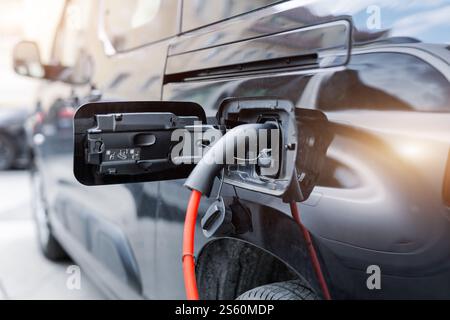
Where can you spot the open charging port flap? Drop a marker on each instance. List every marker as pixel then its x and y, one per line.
pixel 289 161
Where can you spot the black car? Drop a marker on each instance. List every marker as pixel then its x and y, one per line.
pixel 378 71
pixel 14 148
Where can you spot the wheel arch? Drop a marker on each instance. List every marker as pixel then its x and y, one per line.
pixel 228 267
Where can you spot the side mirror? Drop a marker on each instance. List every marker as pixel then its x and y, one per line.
pixel 123 142
pixel 27 60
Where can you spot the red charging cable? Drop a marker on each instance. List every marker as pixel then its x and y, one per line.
pixel 311 250
pixel 190 283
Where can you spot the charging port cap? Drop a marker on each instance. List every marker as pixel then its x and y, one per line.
pixel 123 142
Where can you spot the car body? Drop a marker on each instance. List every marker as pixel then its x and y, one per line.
pixel 14 149
pixel 380 72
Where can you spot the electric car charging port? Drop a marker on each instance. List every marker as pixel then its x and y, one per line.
pixel 257 127
pixel 268 147
pixel 265 159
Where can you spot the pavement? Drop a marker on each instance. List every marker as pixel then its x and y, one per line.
pixel 24 272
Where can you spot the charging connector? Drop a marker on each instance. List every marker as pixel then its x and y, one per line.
pixel 200 181
pixel 268 114
pixel 202 176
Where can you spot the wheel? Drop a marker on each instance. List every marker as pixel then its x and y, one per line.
pixel 7 152
pixel 288 290
pixel 49 245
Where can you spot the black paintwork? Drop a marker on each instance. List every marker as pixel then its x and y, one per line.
pixel 380 199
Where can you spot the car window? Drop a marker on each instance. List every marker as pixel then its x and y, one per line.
pixel 386 81
pixel 197 13
pixel 132 23
pixel 71 33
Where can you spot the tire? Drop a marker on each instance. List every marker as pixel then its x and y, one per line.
pixel 288 290
pixel 48 244
pixel 7 152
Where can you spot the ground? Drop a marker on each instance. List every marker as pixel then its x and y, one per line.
pixel 24 272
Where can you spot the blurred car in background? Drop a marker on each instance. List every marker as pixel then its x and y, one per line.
pixel 14 149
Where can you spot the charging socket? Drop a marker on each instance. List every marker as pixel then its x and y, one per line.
pixel 270 168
